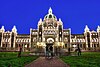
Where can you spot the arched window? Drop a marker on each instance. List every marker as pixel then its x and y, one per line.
pixel 73 40
pixel 50 16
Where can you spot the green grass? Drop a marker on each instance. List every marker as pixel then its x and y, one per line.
pixel 10 59
pixel 87 59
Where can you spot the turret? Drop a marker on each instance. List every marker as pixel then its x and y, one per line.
pixel 98 29
pixel 87 35
pixel 14 30
pixel 50 15
pixel 86 29
pixel 2 29
pixel 60 21
pixel 40 21
pixel 13 36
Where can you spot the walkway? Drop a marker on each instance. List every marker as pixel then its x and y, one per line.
pixel 42 62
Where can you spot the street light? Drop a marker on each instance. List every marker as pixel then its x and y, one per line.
pixel 26 46
pixel 74 46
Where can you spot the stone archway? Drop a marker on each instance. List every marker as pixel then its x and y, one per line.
pixel 49 47
pixel 50 40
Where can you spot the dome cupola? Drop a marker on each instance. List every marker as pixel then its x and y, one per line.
pixel 50 15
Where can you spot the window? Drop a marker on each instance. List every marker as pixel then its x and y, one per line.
pixel 66 39
pixel 54 16
pixel 60 38
pixel 50 16
pixel 39 39
pixel 34 39
pixel 43 39
pixel 56 39
pixel 46 17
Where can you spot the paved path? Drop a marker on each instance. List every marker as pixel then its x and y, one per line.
pixel 43 62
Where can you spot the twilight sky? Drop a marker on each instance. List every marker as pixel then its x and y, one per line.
pixel 25 14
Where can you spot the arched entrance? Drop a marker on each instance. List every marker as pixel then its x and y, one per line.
pixel 49 46
pixel 49 49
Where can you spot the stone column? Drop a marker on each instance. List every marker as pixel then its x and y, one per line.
pixel 23 47
pixel 99 39
pixel 14 42
pixel 2 40
pixel 44 49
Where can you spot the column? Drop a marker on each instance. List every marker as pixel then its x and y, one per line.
pixel 30 44
pixel 45 50
pixel 23 47
pixel 14 42
pixel 2 40
pixel 99 38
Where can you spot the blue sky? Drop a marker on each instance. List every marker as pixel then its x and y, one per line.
pixel 25 14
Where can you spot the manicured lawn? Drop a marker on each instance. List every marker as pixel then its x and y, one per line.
pixel 10 59
pixel 87 59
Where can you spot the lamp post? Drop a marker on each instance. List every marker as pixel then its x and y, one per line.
pixel 25 46
pixel 74 46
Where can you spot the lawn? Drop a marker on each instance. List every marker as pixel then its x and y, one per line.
pixel 10 59
pixel 87 59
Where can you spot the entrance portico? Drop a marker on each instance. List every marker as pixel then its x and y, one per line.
pixel 49 45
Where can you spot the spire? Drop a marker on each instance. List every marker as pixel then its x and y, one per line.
pixel 14 29
pixel 98 28
pixel 39 22
pixel 86 29
pixel 60 20
pixel 50 11
pixel 2 28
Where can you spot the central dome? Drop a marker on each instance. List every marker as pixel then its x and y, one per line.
pixel 50 15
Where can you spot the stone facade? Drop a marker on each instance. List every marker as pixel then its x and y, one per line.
pixel 50 35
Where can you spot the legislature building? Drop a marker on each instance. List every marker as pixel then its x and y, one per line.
pixel 49 35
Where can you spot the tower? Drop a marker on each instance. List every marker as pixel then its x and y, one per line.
pixel 87 34
pixel 2 30
pixel 98 31
pixel 40 30
pixel 13 36
pixel 60 28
